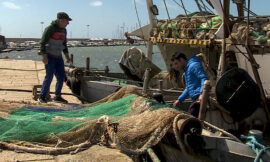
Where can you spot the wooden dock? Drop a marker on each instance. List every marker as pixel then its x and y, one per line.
pixel 19 76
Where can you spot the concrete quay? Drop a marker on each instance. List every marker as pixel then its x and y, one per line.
pixel 23 75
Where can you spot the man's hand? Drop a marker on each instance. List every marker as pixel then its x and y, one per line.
pixel 67 59
pixel 177 103
pixel 45 60
pixel 200 98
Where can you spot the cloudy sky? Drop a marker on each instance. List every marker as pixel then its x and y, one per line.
pixel 22 18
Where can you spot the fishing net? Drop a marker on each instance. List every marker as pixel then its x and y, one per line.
pixel 193 26
pixel 124 120
pixel 30 124
pixel 258 31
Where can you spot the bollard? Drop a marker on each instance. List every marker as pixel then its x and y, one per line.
pixel 87 65
pixel 160 85
pixel 71 59
pixel 205 96
pixel 106 70
pixel 146 79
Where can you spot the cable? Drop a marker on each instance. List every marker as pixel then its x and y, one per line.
pixel 198 5
pixel 184 8
pixel 206 8
pixel 139 22
pixel 164 1
pixel 181 6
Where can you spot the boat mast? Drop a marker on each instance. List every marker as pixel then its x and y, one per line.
pixel 152 20
pixel 226 12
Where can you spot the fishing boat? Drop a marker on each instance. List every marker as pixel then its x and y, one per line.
pixel 233 50
pixel 132 111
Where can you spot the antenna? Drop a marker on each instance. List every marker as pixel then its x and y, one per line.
pixel 88 31
pixel 41 26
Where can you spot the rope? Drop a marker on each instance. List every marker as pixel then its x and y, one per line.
pixel 198 5
pixel 222 131
pixel 157 135
pixel 164 1
pixel 176 134
pixel 259 156
pixel 182 6
pixel 139 22
pixel 184 9
pixel 257 147
pixel 206 8
pixel 153 155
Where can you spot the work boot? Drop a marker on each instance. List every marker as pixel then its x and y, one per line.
pixel 60 99
pixel 42 99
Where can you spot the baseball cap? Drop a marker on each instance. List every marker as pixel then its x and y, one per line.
pixel 63 15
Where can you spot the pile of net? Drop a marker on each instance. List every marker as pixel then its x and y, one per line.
pixel 193 26
pixel 258 31
pixel 134 64
pixel 124 119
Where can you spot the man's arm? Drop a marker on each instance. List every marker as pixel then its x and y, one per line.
pixel 65 50
pixel 181 98
pixel 184 95
pixel 44 40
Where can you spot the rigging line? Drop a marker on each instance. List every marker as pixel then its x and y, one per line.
pixel 181 6
pixel 184 8
pixel 198 5
pixel 206 8
pixel 164 1
pixel 139 22
pixel 230 34
pixel 204 15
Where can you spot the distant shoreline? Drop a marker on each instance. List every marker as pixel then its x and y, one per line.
pixel 69 39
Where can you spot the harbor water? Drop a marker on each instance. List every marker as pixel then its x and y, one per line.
pixel 99 56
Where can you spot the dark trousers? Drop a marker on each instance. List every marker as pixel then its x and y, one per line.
pixel 55 67
pixel 194 107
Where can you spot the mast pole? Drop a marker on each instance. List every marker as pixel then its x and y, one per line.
pixel 222 62
pixel 255 67
pixel 153 23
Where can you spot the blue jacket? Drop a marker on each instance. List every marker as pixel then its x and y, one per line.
pixel 195 77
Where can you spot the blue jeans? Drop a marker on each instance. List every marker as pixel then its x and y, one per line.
pixel 55 67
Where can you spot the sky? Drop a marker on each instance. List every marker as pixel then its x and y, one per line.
pixel 22 18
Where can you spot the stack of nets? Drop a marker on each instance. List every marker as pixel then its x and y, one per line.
pixel 259 31
pixel 194 26
pixel 124 119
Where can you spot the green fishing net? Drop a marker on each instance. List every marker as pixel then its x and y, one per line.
pixel 35 125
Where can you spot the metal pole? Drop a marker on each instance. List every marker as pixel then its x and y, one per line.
pixel 87 31
pixel 41 27
pixel 221 65
pixel 255 67
pixel 153 23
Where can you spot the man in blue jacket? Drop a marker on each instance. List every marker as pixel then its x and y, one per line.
pixel 194 79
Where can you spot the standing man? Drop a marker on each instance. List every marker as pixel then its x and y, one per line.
pixel 194 79
pixel 53 42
